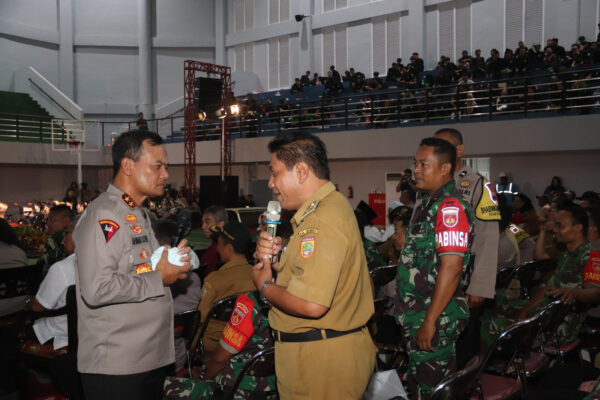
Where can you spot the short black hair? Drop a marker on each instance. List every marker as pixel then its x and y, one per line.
pixel 291 148
pixel 7 233
pixel 218 212
pixel 578 215
pixel 454 133
pixel 64 210
pixel 594 216
pixel 443 150
pixel 129 145
pixel 164 230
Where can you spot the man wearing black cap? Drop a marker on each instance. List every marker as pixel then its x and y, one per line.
pixel 234 277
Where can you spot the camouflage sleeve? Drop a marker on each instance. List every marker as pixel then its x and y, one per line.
pixel 451 228
pixel 240 327
pixel 591 271
pixel 484 250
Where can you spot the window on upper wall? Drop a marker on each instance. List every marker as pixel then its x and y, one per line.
pixel 279 11
pixel 330 5
pixel 244 15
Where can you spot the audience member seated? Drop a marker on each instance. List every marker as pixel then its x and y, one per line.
pixel 531 221
pixel 374 83
pixel 555 188
pixel 58 219
pixel 11 256
pixel 335 74
pixel 296 87
pixel 186 292
pixel 364 215
pixel 246 333
pixel 399 217
pixel 573 280
pixel 305 79
pixel 546 244
pixel 234 277
pixel 508 247
pixel 316 81
pixel 333 86
pixel 213 215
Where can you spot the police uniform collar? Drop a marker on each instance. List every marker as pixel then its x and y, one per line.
pixel 311 204
pixel 112 189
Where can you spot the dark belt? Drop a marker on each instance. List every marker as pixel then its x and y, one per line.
pixel 311 336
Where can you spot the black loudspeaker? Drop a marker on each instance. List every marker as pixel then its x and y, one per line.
pixel 208 93
pixel 214 192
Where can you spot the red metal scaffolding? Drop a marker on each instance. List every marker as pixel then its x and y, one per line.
pixel 191 68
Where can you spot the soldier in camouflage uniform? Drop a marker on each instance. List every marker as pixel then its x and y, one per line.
pixel 577 277
pixel 246 334
pixel 432 274
pixel 59 218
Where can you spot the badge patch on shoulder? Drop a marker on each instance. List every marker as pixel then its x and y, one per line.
pixel 143 268
pixel 130 218
pixel 109 228
pixel 307 246
pixel 136 228
pixel 465 184
pixel 450 216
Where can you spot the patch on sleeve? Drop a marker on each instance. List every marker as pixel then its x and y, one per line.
pixel 591 271
pixel 487 208
pixel 520 234
pixel 451 228
pixel 240 328
pixel 307 246
pixel 109 228
pixel 305 232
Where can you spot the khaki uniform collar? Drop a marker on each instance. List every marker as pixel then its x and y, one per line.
pixel 311 204
pixel 234 263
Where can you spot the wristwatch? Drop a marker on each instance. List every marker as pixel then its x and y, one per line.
pixel 262 291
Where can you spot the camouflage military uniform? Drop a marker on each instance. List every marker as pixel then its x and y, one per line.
pixel 441 224
pixel 53 251
pixel 374 257
pixel 569 273
pixel 234 339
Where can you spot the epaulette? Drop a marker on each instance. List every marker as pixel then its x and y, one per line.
pixel 309 210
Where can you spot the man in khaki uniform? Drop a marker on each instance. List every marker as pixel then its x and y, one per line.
pixel 233 278
pixel 125 311
pixel 322 298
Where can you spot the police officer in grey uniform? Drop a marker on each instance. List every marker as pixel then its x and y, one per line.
pixel 125 311
pixel 480 195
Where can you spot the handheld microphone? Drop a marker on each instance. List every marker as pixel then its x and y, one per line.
pixel 184 221
pixel 273 217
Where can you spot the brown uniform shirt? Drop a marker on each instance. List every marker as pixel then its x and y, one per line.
pixel 324 263
pixel 125 314
pixel 233 278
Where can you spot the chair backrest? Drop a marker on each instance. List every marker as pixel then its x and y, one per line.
pixel 553 315
pixel 261 364
pixel 185 325
pixel 460 384
pixel 525 273
pixel 20 281
pixel 503 277
pixel 512 341
pixel 384 274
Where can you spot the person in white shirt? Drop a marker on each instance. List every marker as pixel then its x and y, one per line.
pixel 52 295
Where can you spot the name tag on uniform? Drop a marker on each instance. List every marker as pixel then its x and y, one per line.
pixel 139 239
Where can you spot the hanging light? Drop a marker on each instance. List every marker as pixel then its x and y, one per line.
pixel 234 109
pixel 201 115
pixel 221 113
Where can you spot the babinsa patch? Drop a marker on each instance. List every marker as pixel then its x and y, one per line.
pixel 307 246
pixel 450 216
pixel 109 228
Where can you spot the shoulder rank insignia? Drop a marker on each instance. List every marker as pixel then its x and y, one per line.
pixel 310 209
pixel 130 218
pixel 109 228
pixel 462 174
pixel 128 200
pixel 136 228
pixel 307 246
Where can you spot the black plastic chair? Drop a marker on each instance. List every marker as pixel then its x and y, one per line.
pixel 185 326
pixel 20 281
pixel 261 365
pixel 503 277
pixel 384 274
pixel 552 316
pixel 461 384
pixel 220 311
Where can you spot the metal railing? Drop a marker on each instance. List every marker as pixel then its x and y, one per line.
pixel 532 96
